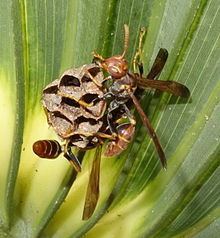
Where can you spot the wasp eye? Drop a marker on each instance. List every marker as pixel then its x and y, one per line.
pixel 114 69
pixel 116 66
pixel 116 72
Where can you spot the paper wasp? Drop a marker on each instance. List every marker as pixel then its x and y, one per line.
pixel 126 82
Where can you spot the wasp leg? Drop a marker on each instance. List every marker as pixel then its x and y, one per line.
pixel 106 136
pixel 97 83
pixel 68 154
pixel 106 96
pixel 97 57
pixel 138 55
pixel 129 115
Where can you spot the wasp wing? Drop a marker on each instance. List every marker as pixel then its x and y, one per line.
pixel 150 131
pixel 172 87
pixel 158 64
pixel 92 193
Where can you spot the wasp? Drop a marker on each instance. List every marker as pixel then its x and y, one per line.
pixel 125 85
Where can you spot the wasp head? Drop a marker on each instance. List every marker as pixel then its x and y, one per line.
pixel 116 66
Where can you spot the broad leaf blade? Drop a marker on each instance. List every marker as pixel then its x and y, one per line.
pixel 50 37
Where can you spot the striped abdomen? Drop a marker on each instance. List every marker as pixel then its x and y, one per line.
pixel 124 137
pixel 49 149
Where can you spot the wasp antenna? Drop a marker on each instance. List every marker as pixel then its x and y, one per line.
pixel 126 39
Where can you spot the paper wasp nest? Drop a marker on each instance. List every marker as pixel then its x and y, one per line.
pixel 66 102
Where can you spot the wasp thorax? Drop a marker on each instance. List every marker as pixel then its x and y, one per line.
pixel 116 66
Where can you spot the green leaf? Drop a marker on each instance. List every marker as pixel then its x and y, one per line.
pixel 40 198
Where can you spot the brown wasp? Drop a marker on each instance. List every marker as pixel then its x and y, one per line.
pixel 125 84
